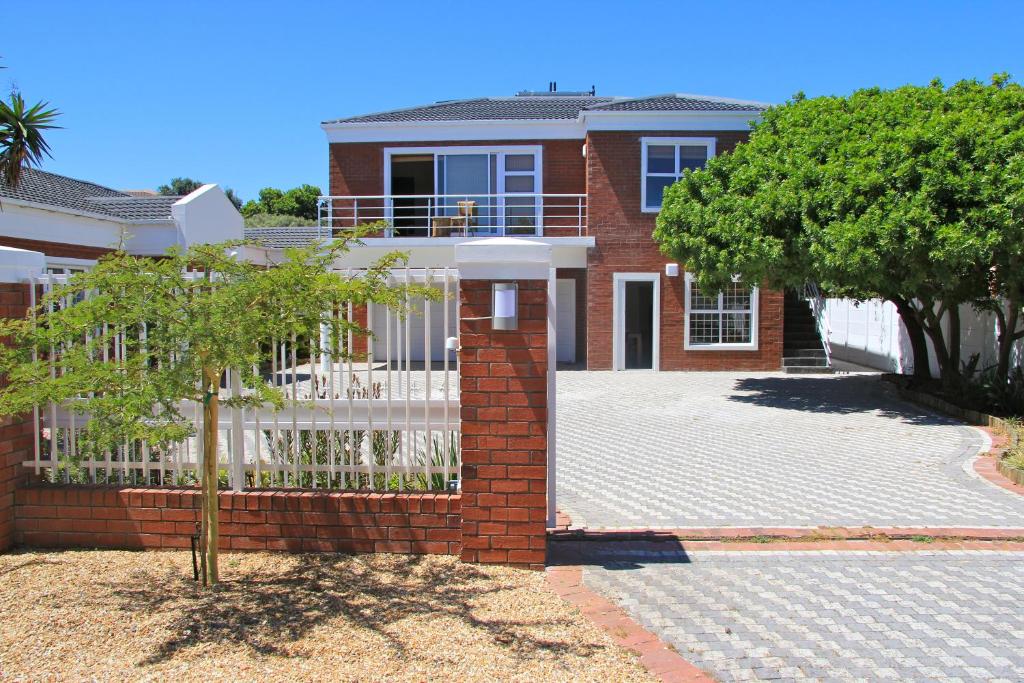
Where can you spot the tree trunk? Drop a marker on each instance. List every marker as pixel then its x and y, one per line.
pixel 1007 336
pixel 211 530
pixel 918 343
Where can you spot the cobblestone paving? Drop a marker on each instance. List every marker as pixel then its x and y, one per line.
pixel 846 615
pixel 723 449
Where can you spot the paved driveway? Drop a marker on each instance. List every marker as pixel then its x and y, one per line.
pixel 847 615
pixel 678 450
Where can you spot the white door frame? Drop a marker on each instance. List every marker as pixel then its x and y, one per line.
pixel 619 281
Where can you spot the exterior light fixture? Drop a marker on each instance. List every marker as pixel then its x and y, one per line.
pixel 504 306
pixel 672 269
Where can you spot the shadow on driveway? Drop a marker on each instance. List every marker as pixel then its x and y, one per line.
pixel 835 395
pixel 629 550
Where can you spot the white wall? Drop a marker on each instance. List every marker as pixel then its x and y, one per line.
pixel 52 225
pixel 207 216
pixel 871 333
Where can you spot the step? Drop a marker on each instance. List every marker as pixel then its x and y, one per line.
pixel 807 370
pixel 794 352
pixel 809 361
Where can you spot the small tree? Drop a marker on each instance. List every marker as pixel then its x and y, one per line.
pixel 906 195
pixel 299 201
pixel 178 334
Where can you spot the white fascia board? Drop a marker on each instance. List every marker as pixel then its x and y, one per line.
pixel 442 131
pixel 439 252
pixel 660 120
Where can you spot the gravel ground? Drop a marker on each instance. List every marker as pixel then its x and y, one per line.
pixel 115 615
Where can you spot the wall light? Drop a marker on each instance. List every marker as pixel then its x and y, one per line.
pixel 504 306
pixel 672 269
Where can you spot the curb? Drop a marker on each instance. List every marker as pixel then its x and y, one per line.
pixel 659 658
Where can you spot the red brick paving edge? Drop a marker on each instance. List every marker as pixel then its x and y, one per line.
pixel 660 659
pixel 986 465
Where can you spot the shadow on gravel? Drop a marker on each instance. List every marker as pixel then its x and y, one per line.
pixel 624 551
pixel 267 612
pixel 835 395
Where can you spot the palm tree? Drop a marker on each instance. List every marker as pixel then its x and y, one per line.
pixel 21 136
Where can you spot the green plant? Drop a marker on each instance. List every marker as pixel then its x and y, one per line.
pixel 276 220
pixel 21 136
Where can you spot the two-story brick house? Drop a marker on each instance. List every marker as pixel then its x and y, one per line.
pixel 582 173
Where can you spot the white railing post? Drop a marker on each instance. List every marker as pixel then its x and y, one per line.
pixel 237 435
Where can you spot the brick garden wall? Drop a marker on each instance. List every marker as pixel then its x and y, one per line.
pixel 504 428
pixel 308 521
pixel 624 244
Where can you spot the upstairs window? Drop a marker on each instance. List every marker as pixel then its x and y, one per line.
pixel 664 160
pixel 726 320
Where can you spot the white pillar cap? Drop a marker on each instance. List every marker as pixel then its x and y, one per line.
pixel 17 265
pixel 503 258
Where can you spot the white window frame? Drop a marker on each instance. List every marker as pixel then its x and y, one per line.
pixel 500 151
pixel 754 319
pixel 67 265
pixel 676 142
pixel 619 281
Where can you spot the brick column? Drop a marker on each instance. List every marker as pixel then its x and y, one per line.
pixel 16 442
pixel 503 381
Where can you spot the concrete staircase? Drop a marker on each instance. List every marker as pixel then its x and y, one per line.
pixel 802 350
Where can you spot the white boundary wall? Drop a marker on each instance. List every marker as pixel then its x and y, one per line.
pixel 871 333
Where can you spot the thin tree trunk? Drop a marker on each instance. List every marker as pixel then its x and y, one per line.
pixel 932 325
pixel 211 534
pixel 1008 334
pixel 918 343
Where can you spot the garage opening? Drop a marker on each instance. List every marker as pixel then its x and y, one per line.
pixel 639 325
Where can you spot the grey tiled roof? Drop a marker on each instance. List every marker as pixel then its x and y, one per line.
pixel 136 208
pixel 298 236
pixel 549 107
pixel 60 191
pixel 530 107
pixel 678 102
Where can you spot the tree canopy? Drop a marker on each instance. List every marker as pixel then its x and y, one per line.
pixel 913 195
pixel 299 201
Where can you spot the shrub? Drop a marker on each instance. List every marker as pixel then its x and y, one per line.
pixel 276 220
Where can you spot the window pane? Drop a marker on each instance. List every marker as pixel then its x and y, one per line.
pixel 520 215
pixel 698 301
pixel 692 156
pixel 519 162
pixel 704 328
pixel 655 188
pixel 661 159
pixel 519 183
pixel 736 297
pixel 736 328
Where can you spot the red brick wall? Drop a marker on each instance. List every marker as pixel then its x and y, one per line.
pixel 624 244
pixel 309 521
pixel 16 442
pixel 58 249
pixel 504 428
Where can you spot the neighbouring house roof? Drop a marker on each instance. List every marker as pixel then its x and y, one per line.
pixel 550 107
pixel 61 191
pixel 280 238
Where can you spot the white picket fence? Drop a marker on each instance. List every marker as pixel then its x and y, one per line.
pixel 389 422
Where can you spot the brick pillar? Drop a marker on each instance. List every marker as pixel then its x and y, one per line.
pixel 504 428
pixel 504 381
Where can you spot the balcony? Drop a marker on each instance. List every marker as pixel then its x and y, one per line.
pixel 478 215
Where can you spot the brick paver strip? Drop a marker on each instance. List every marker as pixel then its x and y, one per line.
pixel 712 450
pixel 987 467
pixel 936 614
pixel 657 657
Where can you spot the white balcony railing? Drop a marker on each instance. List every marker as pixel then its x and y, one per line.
pixel 486 215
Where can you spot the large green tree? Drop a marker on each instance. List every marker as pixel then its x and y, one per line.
pixel 177 335
pixel 908 195
pixel 299 201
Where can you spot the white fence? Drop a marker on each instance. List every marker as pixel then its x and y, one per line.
pixel 389 422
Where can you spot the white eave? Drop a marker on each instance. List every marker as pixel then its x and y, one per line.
pixel 536 129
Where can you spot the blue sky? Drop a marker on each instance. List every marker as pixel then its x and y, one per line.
pixel 234 92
